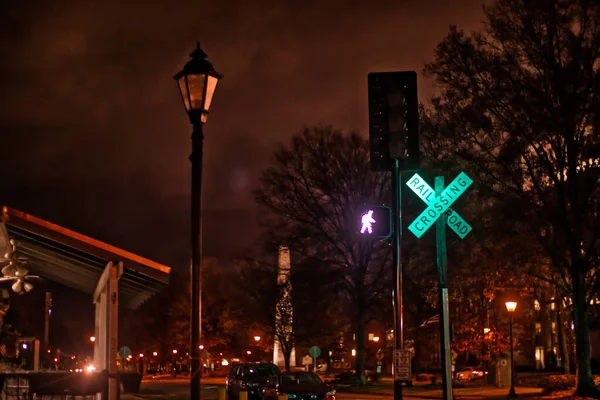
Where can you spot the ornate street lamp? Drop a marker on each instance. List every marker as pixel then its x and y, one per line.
pixel 197 83
pixel 511 307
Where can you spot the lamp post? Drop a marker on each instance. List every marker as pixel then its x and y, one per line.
pixel 511 306
pixel 197 82
pixel 485 357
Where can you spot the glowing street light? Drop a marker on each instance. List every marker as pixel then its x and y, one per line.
pixel 155 354
pixel 376 339
pixel 201 347
pixel 248 352
pixel 174 351
pixel 197 82
pixel 92 339
pixel 511 306
pixel 141 355
pixel 257 338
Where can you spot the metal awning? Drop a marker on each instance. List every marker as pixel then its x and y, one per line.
pixel 77 261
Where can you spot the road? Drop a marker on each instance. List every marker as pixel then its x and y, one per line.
pixel 179 388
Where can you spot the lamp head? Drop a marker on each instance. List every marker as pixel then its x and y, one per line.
pixel 511 306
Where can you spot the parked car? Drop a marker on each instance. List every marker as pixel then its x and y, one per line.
pixel 299 386
pixel 321 368
pixel 251 377
pixel 469 373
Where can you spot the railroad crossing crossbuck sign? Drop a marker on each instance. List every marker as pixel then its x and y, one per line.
pixel 436 206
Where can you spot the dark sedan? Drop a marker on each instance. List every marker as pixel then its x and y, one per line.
pixel 299 386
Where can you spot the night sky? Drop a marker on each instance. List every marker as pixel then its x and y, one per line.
pixel 94 134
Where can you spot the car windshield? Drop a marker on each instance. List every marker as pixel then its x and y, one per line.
pixel 258 371
pixel 300 379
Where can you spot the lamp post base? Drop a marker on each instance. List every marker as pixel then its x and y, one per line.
pixel 512 394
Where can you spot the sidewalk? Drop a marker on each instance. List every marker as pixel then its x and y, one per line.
pixel 473 393
pixel 429 392
pixel 217 381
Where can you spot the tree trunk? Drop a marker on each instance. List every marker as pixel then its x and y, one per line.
pixel 585 382
pixel 287 354
pixel 562 343
pixel 417 347
pixel 360 339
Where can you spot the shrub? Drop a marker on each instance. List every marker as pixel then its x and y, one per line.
pixel 557 382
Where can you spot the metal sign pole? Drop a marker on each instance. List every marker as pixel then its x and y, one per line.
pixel 397 275
pixel 442 267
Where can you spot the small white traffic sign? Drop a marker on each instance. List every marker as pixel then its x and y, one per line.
pixel 402 365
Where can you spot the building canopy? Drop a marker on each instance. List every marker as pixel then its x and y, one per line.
pixel 78 261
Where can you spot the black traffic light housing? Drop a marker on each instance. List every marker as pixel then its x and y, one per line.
pixel 393 120
pixel 375 222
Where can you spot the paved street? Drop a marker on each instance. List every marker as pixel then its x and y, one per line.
pixel 165 388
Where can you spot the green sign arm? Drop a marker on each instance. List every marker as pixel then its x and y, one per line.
pixel 427 194
pixel 452 192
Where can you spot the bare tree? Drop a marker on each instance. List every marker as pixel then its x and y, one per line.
pixel 519 107
pixel 314 192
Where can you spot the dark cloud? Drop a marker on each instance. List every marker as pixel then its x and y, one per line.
pixel 94 135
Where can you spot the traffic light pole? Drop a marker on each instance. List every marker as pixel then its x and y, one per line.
pixel 397 260
pixel 442 267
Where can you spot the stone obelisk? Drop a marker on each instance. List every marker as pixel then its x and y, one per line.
pixel 284 280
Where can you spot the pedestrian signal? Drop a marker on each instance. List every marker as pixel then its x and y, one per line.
pixel 375 222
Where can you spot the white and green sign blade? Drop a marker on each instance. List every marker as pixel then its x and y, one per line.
pixel 440 204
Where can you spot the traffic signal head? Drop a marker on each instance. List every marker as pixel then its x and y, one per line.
pixel 393 120
pixel 375 222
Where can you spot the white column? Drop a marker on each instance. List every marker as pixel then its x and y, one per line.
pixel 284 278
pixel 106 298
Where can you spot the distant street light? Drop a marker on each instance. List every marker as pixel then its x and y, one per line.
pixel 141 355
pixel 248 352
pixel 155 354
pixel 486 331
pixel 197 83
pixel 201 347
pixel 92 339
pixel 511 306
pixel 257 338
pixel 174 351
pixel 376 338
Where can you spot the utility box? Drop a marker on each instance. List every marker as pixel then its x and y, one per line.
pixel 499 373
